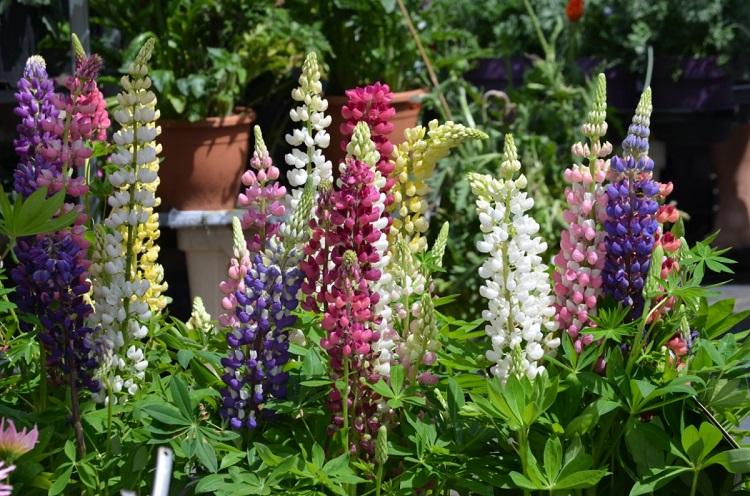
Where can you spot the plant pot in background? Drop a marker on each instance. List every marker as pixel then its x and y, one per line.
pixel 408 105
pixel 203 161
pixel 701 85
pixel 499 73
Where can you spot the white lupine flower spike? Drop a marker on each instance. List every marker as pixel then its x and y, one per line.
pixel 520 315
pixel 311 138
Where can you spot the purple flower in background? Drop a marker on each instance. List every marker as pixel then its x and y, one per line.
pixel 258 344
pixel 631 226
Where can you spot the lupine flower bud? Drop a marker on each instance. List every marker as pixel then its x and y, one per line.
pixel 381 446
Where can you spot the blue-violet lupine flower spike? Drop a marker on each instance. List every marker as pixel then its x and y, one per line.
pixel 259 346
pixel 631 224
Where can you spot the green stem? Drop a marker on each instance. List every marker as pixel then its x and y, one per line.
pixel 43 379
pixel 379 480
pixel 345 405
pixel 694 484
pixel 523 446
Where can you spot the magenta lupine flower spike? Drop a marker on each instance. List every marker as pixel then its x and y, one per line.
pixel 579 263
pixel 340 268
pixel 372 104
pixel 15 443
pixel 632 207
pixel 5 471
pixel 263 196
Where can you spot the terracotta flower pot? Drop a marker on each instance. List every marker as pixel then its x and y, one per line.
pixel 203 161
pixel 407 104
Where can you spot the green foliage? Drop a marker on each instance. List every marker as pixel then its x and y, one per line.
pixel 208 52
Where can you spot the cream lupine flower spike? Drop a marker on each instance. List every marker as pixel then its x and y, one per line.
pixel 520 317
pixel 126 280
pixel 415 161
pixel 311 138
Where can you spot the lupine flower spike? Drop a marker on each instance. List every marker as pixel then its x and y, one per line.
pixel 372 105
pixel 258 340
pixel 631 224
pixel 127 280
pixel 579 263
pixel 311 138
pixel 415 161
pixel 51 276
pixel 263 196
pixel 15 443
pixel 520 318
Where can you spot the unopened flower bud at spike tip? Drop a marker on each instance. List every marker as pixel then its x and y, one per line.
pixel 78 50
pixel 381 445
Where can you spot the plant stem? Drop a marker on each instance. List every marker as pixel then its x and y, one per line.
pixel 523 446
pixel 345 405
pixel 379 480
pixel 694 484
pixel 76 412
pixel 43 378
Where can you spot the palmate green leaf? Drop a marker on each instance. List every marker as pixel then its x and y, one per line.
pixel 206 454
pixel 720 318
pixel 180 396
pixel 656 478
pixel 580 480
pixel 735 461
pixel 268 457
pixel 166 413
pixel 61 482
pixel 553 457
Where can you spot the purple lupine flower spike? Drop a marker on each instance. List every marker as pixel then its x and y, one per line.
pixel 52 274
pixel 35 97
pixel 258 339
pixel 631 224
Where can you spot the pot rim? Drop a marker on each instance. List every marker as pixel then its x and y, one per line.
pixel 242 117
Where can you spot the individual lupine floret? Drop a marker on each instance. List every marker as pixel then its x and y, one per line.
pixel 520 316
pixel 631 224
pixel 311 138
pixel 415 161
pixel 579 263
pixel 263 197
pixel 259 342
pixel 371 104
pixel 125 258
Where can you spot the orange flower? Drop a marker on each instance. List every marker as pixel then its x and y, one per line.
pixel 574 10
